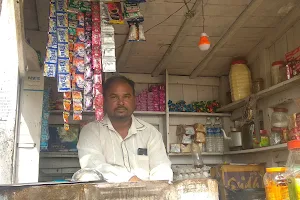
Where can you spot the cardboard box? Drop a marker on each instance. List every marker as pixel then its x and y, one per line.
pixel 61 140
pixel 234 177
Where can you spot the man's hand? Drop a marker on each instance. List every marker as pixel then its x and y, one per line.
pixel 134 179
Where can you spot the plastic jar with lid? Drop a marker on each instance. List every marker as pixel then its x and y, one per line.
pixel 276 185
pixel 240 80
pixel 278 136
pixel 264 138
pixel 258 85
pixel 293 169
pixel 276 72
pixel 280 118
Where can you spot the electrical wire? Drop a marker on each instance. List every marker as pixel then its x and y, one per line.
pixel 185 4
pixel 203 15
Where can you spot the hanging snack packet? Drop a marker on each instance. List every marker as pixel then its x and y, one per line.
pixel 77 116
pixel 133 33
pixel 98 101
pixel 76 95
pixel 78 63
pixel 62 20
pixel 72 27
pixel 74 6
pixel 134 17
pixel 71 47
pixel 72 16
pixel 96 52
pixel 79 81
pixel 64 83
pixel 80 18
pixel 66 117
pixel 98 89
pixel 98 78
pixel 107 38
pixel 66 127
pixel 63 65
pixel 97 66
pixel 77 105
pixel 80 34
pixel 62 35
pixel 95 6
pixel 96 16
pixel 108 50
pixel 109 64
pixel 67 95
pixel 52 10
pixel 61 5
pixel 51 55
pixel 52 25
pixel 49 70
pixel 85 6
pixel 88 102
pixel 63 50
pixel 99 114
pixel 88 87
pixel 88 74
pixel 96 27
pixel 71 56
pixel 88 59
pixel 67 104
pixel 115 12
pixel 79 50
pixel 131 7
pixel 96 39
pixel 52 40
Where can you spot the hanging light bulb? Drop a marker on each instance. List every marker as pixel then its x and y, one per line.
pixel 204 43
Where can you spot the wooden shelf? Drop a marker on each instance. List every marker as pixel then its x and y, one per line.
pixel 275 147
pixel 58 154
pixel 262 94
pixel 190 154
pixel 199 114
pixel 57 112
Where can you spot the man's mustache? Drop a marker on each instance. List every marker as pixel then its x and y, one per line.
pixel 121 107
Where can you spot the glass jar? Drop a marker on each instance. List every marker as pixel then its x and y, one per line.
pixel 258 85
pixel 293 169
pixel 264 138
pixel 240 80
pixel 278 136
pixel 276 185
pixel 275 71
pixel 283 73
pixel 280 118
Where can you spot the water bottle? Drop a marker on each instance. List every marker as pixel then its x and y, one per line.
pixel 210 147
pixel 219 135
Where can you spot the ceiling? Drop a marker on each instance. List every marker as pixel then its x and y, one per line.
pixel 184 56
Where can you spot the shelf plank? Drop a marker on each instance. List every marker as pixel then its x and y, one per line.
pixel 262 94
pixel 59 154
pixel 199 114
pixel 190 154
pixel 57 112
pixel 275 147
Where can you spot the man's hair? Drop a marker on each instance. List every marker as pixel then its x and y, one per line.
pixel 117 78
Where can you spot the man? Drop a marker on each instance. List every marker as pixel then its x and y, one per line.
pixel 123 148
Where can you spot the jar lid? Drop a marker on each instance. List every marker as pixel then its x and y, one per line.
pixel 276 169
pixel 280 110
pixel 278 129
pixel 278 63
pixel 263 132
pixel 238 62
pixel 294 144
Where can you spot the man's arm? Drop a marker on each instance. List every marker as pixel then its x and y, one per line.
pixel 160 165
pixel 91 156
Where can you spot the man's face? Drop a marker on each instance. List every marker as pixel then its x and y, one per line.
pixel 119 101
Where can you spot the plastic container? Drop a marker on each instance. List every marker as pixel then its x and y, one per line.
pixel 276 185
pixel 293 169
pixel 258 85
pixel 210 137
pixel 264 138
pixel 219 135
pixel 280 118
pixel 276 72
pixel 240 80
pixel 278 136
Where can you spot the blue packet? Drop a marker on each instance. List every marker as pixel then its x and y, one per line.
pixel 63 50
pixel 51 55
pixel 52 40
pixel 61 5
pixel 52 10
pixel 62 20
pixel 50 70
pixel 52 25
pixel 64 83
pixel 62 35
pixel 63 65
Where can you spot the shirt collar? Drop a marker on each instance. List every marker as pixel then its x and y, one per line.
pixel 136 125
